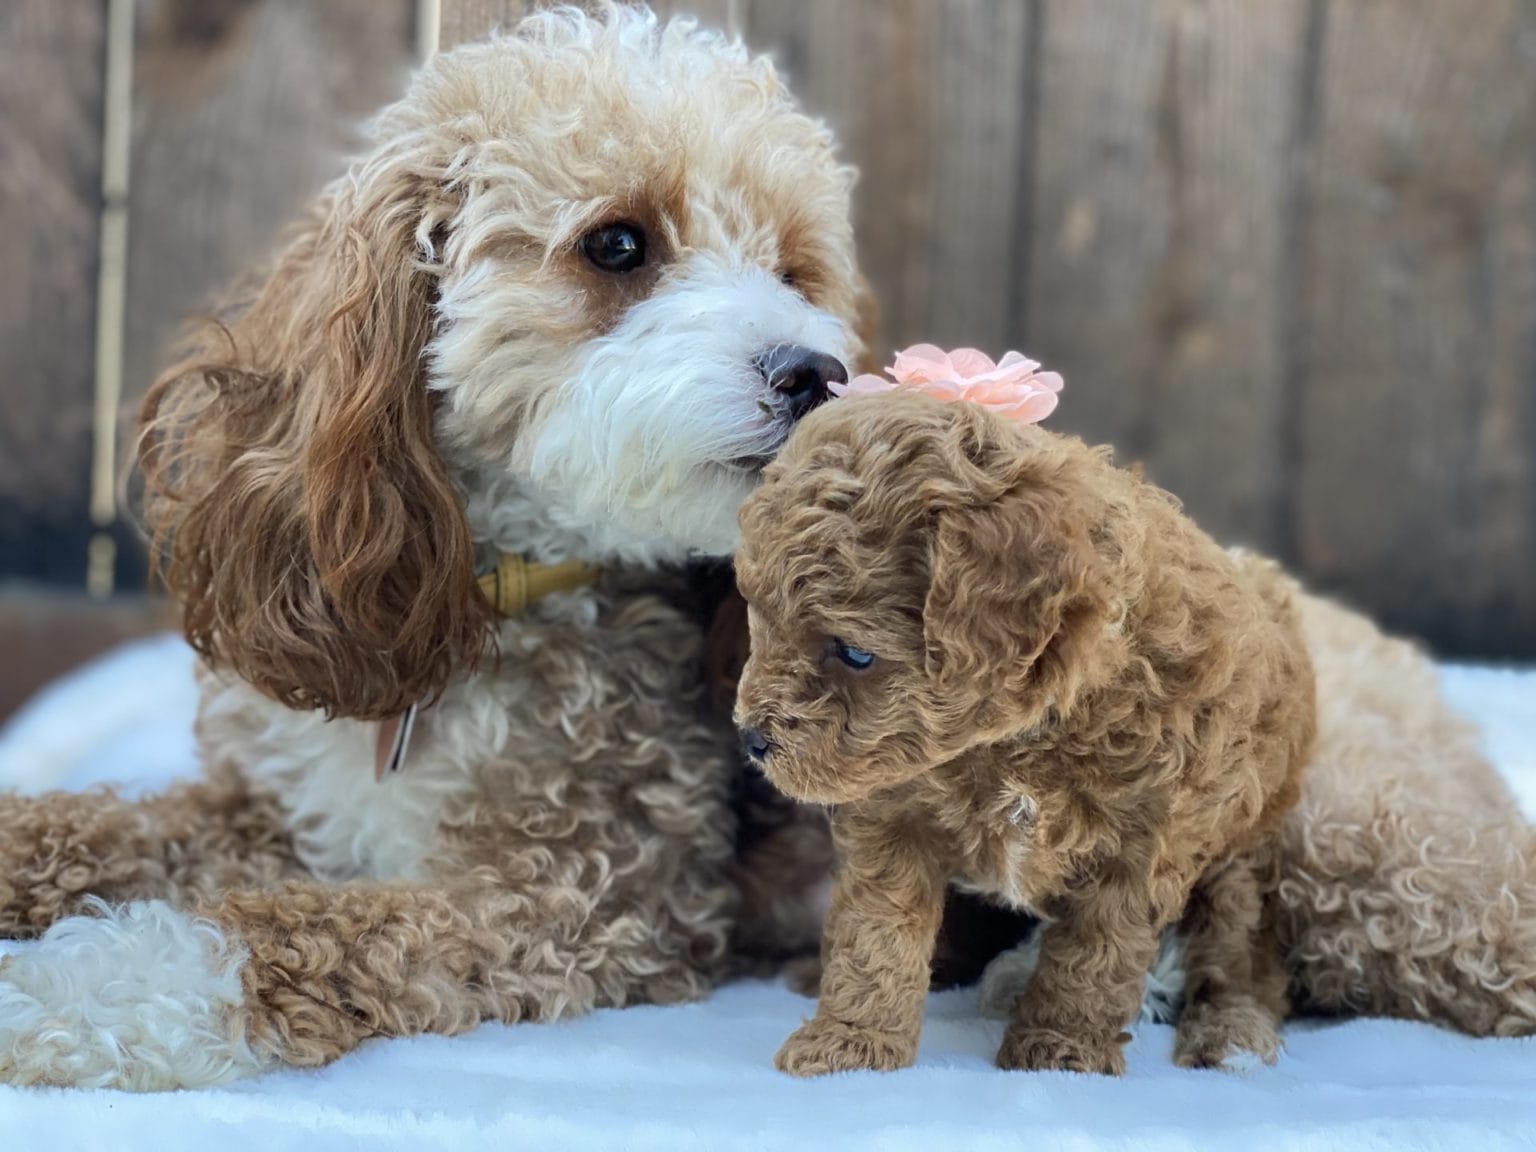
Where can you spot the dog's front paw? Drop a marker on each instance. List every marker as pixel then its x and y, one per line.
pixel 1232 1037
pixel 822 1046
pixel 1042 1050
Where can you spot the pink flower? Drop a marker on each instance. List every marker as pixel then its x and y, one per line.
pixel 1013 386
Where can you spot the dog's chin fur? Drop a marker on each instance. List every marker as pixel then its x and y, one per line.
pixel 838 777
pixel 643 441
pixel 659 430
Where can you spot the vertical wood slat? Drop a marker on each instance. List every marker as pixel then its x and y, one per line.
pixel 111 282
pixel 1416 490
pixel 464 20
pixel 1160 240
pixel 929 109
pixel 52 60
pixel 877 99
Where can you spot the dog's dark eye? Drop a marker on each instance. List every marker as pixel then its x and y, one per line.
pixel 855 658
pixel 615 247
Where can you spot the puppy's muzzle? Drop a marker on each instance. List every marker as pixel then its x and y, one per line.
pixel 755 746
pixel 801 375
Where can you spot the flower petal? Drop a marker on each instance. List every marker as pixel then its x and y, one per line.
pixel 1018 359
pixel 1033 408
pixel 921 363
pixel 969 362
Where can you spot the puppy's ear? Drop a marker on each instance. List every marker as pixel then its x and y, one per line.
pixel 1017 594
pixel 295 499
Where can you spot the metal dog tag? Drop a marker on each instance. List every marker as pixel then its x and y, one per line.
pixel 393 740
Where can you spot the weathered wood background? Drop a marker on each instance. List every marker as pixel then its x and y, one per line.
pixel 1284 251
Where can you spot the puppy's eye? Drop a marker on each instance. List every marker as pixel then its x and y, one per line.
pixel 788 278
pixel 856 658
pixel 616 248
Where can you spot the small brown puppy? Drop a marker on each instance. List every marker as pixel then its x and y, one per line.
pixel 1006 663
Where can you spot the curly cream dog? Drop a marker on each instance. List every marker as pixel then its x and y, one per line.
pixel 577 291
pixel 1005 662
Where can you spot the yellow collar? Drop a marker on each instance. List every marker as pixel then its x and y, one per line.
pixel 511 587
pixel 517 583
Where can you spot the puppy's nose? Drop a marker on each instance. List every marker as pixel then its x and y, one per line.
pixel 755 745
pixel 801 375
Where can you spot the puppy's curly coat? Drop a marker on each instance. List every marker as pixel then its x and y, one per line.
pixel 1404 875
pixel 545 313
pixel 1003 661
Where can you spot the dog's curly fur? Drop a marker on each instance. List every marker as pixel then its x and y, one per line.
pixel 1407 885
pixel 433 372
pixel 1405 878
pixel 1077 702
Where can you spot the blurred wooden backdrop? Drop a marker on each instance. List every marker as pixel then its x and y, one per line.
pixel 1284 251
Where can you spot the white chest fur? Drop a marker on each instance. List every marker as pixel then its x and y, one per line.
pixel 345 824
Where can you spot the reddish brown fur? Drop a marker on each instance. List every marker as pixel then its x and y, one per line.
pixel 194 839
pixel 1080 703
pixel 300 509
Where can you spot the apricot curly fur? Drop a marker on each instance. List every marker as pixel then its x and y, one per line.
pixel 192 840
pixel 1078 703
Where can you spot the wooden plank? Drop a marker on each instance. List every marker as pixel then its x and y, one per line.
pixel 929 110
pixel 980 83
pixel 242 109
pixel 1157 241
pixel 1417 484
pixel 726 15
pixel 51 76
pixel 861 64
pixel 464 20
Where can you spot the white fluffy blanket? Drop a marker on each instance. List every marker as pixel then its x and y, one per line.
pixel 699 1077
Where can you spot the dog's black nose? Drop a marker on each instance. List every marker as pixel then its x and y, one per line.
pixel 755 745
pixel 801 375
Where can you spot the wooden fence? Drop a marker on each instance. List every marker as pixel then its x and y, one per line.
pixel 1284 251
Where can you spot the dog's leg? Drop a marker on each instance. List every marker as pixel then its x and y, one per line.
pixel 886 904
pixel 59 849
pixel 1088 987
pixel 1408 876
pixel 1234 983
pixel 1416 915
pixel 148 997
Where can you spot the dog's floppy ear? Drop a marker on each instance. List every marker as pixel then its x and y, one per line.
pixel 295 499
pixel 1016 589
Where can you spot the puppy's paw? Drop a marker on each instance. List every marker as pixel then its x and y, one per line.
pixel 822 1046
pixel 1232 1037
pixel 1042 1050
